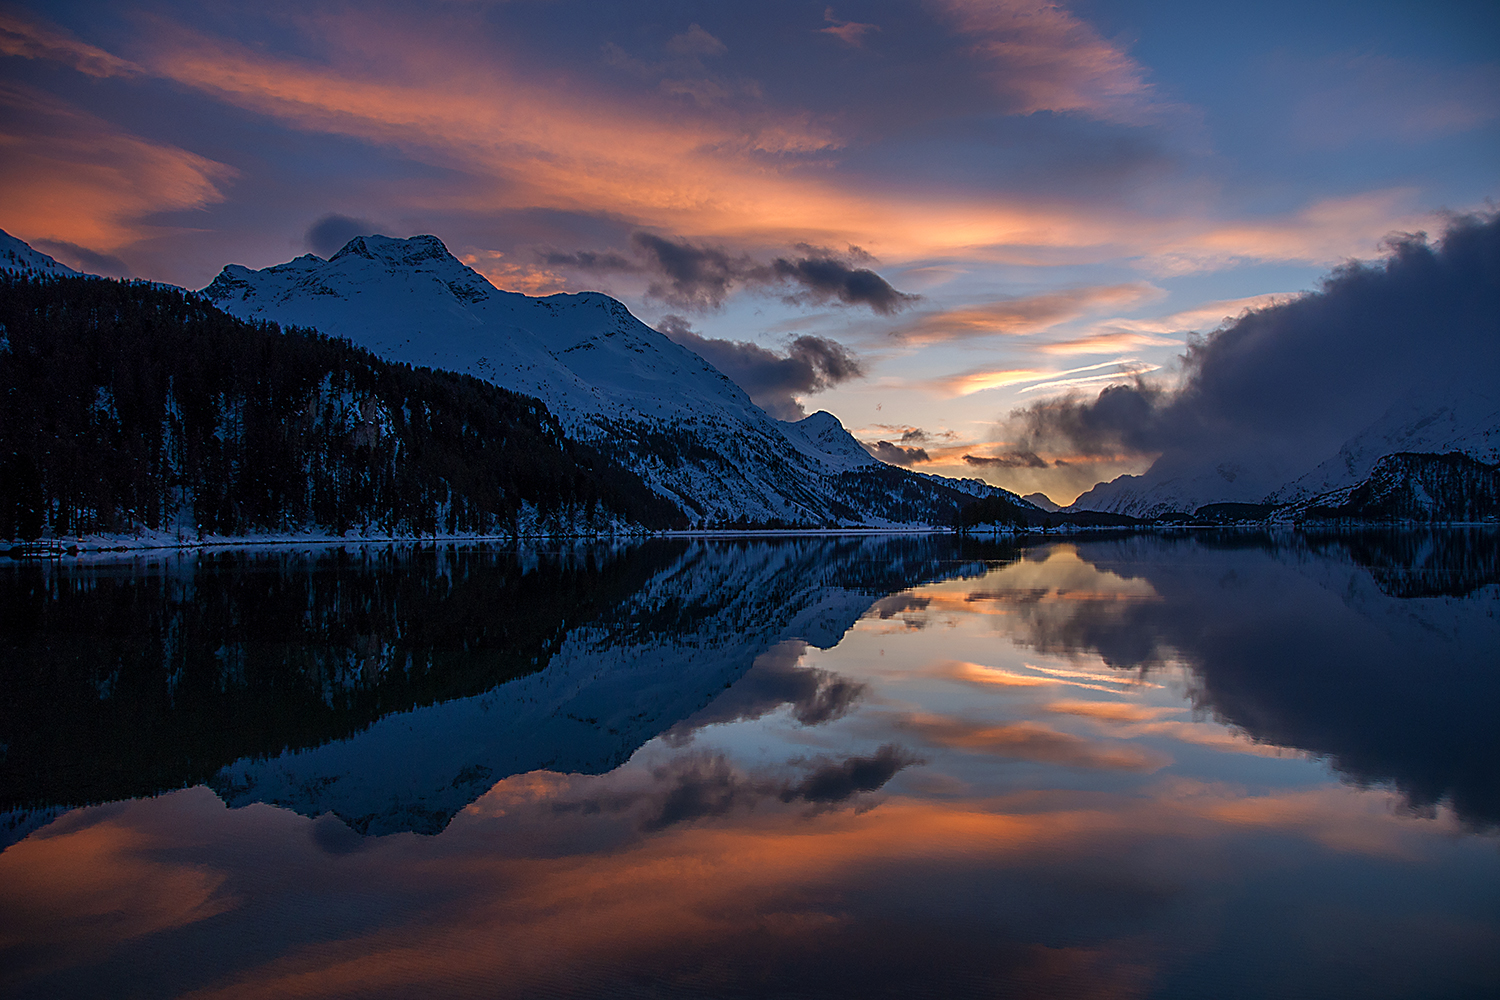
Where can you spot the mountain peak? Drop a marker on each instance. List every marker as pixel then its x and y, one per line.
pixel 395 251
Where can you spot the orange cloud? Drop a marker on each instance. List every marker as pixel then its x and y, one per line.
pixel 740 170
pixel 512 277
pixel 1107 343
pixel 27 39
pixel 88 890
pixel 1025 314
pixel 977 673
pixel 966 383
pixel 1112 711
pixel 525 914
pixel 1046 59
pixel 1328 231
pixel 727 172
pixel 707 897
pixel 1031 741
pixel 68 176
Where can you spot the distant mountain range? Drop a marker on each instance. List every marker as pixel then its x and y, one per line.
pixel 1465 423
pixel 644 433
pixel 657 436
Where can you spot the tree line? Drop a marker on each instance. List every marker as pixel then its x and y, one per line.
pixel 128 406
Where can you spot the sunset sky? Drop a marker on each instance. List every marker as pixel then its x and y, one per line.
pixel 1053 197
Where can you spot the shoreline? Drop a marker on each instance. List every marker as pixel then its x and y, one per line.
pixel 117 545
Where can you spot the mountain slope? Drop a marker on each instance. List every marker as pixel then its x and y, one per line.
pixel 613 382
pixel 128 408
pixel 1468 423
pixel 1411 486
pixel 18 258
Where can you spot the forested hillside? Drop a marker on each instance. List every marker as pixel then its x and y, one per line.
pixel 126 406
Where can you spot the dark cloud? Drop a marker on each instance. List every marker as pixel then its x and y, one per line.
pixel 896 454
pixel 777 678
pixel 841 780
pixel 825 277
pixel 703 789
pixel 701 278
pixel 694 277
pixel 1122 419
pixel 333 836
pixel 328 235
pixel 1279 390
pixel 83 259
pixel 771 380
pixel 691 788
pixel 897 604
pixel 587 260
pixel 1009 460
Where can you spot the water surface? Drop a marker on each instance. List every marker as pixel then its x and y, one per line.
pixel 1136 766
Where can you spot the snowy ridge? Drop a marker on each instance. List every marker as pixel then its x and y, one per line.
pixel 1152 494
pixel 1042 501
pixel 655 406
pixel 821 437
pixel 1469 423
pixel 16 257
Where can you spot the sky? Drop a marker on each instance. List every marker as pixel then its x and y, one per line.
pixel 921 216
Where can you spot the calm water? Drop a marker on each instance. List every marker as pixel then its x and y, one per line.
pixel 1220 766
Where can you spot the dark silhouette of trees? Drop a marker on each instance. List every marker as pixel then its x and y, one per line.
pixel 131 406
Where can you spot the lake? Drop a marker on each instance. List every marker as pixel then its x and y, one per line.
pixel 1226 764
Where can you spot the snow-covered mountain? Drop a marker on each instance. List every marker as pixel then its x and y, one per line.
pixel 1154 492
pixel 1042 501
pixel 612 381
pixel 17 257
pixel 1467 422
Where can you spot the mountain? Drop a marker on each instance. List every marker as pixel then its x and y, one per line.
pixel 1043 501
pixel 1467 422
pixel 127 408
pixel 613 383
pixel 1410 487
pixel 18 258
pixel 1155 493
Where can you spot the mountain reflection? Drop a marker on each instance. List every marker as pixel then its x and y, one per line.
pixel 130 677
pixel 394 685
pixel 812 767
pixel 1374 650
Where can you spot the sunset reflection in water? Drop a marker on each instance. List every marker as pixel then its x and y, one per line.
pixel 1044 777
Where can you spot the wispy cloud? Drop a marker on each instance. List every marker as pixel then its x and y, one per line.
pixel 1032 741
pixel 1127 371
pixel 29 39
pixel 851 33
pixel 1044 58
pixel 1026 314
pixel 967 383
pixel 71 178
